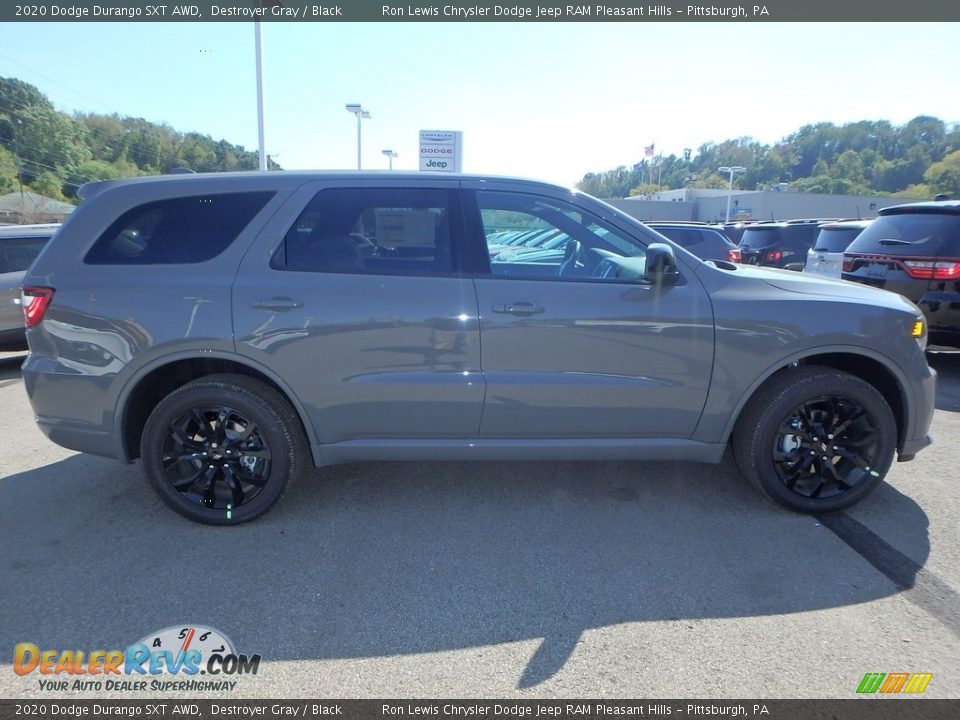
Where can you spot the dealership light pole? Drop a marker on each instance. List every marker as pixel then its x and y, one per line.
pixel 361 114
pixel 732 169
pixel 390 154
pixel 260 134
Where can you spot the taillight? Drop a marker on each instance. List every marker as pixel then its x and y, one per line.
pixel 932 269
pixel 847 264
pixel 35 301
pixel 773 255
pixel 733 255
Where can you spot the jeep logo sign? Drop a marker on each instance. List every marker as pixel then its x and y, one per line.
pixel 441 150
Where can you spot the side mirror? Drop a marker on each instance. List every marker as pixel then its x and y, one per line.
pixel 661 267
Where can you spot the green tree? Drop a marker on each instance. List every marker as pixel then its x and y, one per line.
pixel 944 176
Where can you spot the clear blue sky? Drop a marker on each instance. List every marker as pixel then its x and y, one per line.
pixel 544 100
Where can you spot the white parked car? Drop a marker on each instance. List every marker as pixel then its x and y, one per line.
pixel 826 255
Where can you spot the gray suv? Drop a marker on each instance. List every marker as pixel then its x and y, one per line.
pixel 234 330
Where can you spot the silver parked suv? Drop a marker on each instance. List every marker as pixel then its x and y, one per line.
pixel 19 247
pixel 233 330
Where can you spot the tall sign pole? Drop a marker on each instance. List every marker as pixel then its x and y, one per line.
pixel 260 133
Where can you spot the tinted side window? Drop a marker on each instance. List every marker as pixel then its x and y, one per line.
pixel 17 254
pixel 373 230
pixel 177 231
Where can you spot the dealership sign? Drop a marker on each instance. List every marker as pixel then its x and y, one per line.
pixel 441 150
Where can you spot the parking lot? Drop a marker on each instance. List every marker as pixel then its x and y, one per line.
pixel 494 579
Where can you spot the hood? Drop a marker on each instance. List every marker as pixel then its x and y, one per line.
pixel 811 284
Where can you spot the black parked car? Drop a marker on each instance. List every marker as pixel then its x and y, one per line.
pixel 706 242
pixel 914 250
pixel 779 244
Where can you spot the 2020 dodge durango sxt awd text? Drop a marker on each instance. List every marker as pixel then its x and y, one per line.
pixel 233 330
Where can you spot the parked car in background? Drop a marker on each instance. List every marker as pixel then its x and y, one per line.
pixel 704 241
pixel 19 247
pixel 779 244
pixel 228 331
pixel 914 250
pixel 734 229
pixel 826 255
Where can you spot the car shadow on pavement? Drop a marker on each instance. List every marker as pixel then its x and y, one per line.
pixel 10 366
pixel 398 558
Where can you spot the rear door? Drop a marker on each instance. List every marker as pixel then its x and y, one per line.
pixel 576 344
pixel 353 295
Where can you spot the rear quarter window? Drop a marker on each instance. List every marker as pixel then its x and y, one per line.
pixel 177 231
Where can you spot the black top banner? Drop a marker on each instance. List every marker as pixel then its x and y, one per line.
pixel 482 11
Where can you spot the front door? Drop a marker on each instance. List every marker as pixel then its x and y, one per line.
pixel 576 344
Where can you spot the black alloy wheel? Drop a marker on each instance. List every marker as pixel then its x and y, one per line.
pixel 825 447
pixel 815 439
pixel 223 449
pixel 216 457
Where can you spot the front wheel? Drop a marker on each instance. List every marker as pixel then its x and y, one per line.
pixel 221 450
pixel 815 439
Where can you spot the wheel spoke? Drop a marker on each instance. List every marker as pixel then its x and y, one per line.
pixel 248 431
pixel 800 469
pixel 201 422
pixel 209 495
pixel 234 484
pixel 836 477
pixel 177 457
pixel 183 441
pixel 183 484
pixel 818 489
pixel 842 427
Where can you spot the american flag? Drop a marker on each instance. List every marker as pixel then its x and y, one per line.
pixel 648 150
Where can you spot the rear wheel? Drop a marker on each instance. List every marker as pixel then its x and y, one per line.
pixel 222 450
pixel 815 439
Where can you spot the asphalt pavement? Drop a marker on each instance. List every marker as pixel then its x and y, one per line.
pixel 537 580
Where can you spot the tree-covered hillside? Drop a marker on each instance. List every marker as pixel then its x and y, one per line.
pixel 53 153
pixel 918 159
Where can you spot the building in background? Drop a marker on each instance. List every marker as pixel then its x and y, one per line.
pixel 708 205
pixel 27 208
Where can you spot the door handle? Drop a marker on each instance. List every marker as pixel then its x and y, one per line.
pixel 519 308
pixel 280 303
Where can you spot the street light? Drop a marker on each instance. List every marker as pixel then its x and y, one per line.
pixel 361 114
pixel 262 161
pixel 390 154
pixel 732 169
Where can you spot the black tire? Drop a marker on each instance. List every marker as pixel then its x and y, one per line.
pixel 235 436
pixel 815 440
